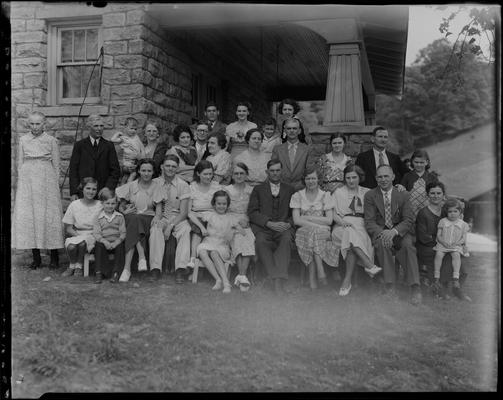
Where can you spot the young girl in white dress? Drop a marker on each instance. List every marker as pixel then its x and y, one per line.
pixel 214 251
pixel 79 223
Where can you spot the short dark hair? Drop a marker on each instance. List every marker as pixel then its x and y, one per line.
pixel 245 104
pixel 243 166
pixel 86 180
pixel 378 128
pixel 221 193
pixel 309 171
pixel 385 165
pixel 221 139
pixel 420 153
pixel 337 135
pixel 274 161
pixel 145 161
pixel 106 194
pixel 200 167
pixel 250 132
pixel 292 102
pixel 355 168
pixel 130 120
pixel 452 202
pixel 179 129
pixel 210 104
pixel 434 184
pixel 171 157
pixel 270 121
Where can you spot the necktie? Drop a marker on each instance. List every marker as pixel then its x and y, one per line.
pixel 356 205
pixel 388 222
pixel 291 154
pixel 95 145
pixel 381 159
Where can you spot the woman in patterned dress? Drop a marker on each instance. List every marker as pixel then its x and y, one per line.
pixel 236 131
pixel 312 211
pixel 331 165
pixel 185 152
pixel 219 158
pixel 242 245
pixel 36 223
pixel 349 234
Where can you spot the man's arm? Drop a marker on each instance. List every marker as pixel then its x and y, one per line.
pixel 370 214
pixel 407 219
pixel 254 213
pixel 114 170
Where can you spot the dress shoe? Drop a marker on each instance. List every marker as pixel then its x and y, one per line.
pixel 99 278
pixel 416 298
pixel 155 275
pixel 456 290
pixel 344 291
pixel 142 265
pixel 373 271
pixel 180 275
pixel 115 277
pixel 126 274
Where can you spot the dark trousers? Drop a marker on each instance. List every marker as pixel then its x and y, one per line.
pixel 274 251
pixel 406 256
pixel 102 263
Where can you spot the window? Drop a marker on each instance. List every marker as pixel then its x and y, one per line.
pixel 205 88
pixel 74 51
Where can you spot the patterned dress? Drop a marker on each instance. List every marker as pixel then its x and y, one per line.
pixel 256 164
pixel 36 223
pixel 416 186
pixel 241 244
pixel 331 171
pixel 201 200
pixel 82 216
pixel 453 234
pixel 220 233
pixel 314 240
pixel 222 165
pixel 351 210
pixel 235 133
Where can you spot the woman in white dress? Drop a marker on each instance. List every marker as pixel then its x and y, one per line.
pixel 331 165
pixel 36 223
pixel 79 223
pixel 236 131
pixel 349 234
pixel 242 244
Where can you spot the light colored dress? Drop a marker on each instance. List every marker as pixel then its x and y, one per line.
pixel 331 172
pixel 222 166
pixel 36 223
pixel 82 217
pixel 257 165
pixel 355 236
pixel 314 240
pixel 220 233
pixel 241 244
pixel 235 133
pixel 142 198
pixel 452 233
pixel 201 201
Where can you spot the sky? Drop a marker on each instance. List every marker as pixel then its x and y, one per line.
pixel 423 27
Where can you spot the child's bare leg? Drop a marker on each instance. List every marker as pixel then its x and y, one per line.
pixel 437 263
pixel 312 275
pixel 320 271
pixel 127 260
pixel 141 251
pixel 205 258
pixel 456 264
pixel 243 264
pixel 219 264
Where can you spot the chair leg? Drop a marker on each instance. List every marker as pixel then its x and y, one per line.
pixel 196 271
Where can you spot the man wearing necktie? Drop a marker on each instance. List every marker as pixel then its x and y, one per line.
pixel 214 124
pixel 370 160
pixel 388 219
pixel 294 155
pixel 93 157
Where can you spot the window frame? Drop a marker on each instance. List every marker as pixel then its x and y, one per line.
pixel 54 64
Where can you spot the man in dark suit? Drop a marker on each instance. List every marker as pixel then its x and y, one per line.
pixel 271 221
pixel 369 160
pixel 388 219
pixel 293 154
pixel 214 124
pixel 94 157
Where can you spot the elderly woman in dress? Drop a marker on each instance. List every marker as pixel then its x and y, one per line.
pixel 426 234
pixel 236 131
pixel 331 165
pixel 254 158
pixel 36 223
pixel 219 158
pixel 185 152
pixel 155 147
pixel 312 211
pixel 137 205
pixel 349 234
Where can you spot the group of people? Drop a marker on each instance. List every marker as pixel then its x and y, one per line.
pixel 236 195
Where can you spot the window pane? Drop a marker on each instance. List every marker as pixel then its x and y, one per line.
pixel 66 46
pixel 75 80
pixel 92 44
pixel 80 45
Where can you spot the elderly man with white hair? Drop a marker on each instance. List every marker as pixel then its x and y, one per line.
pixel 94 157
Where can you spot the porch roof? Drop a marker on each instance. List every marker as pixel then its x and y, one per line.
pixel 293 60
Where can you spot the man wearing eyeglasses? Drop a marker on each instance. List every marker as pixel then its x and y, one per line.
pixel 201 135
pixel 293 155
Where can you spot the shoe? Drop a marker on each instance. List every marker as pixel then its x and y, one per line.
pixel 373 271
pixel 218 285
pixel 115 277
pixel 344 291
pixel 155 275
pixel 180 275
pixel 68 272
pixel 99 278
pixel 416 298
pixel 142 265
pixel 227 288
pixel 126 274
pixel 459 294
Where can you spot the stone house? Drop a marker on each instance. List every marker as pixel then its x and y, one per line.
pixel 165 61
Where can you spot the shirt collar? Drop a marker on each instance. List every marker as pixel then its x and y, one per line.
pixel 109 219
pixel 383 152
pixel 458 223
pixel 293 144
pixel 384 193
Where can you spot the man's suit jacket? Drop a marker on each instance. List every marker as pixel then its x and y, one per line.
pixel 367 162
pixel 401 212
pixel 292 175
pixel 219 127
pixel 101 164
pixel 260 205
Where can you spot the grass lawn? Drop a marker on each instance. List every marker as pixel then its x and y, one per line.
pixel 69 335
